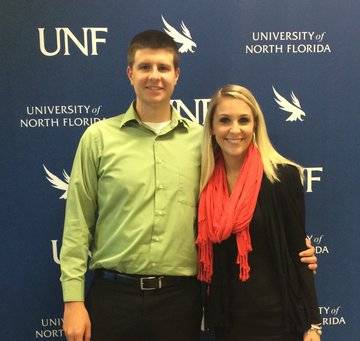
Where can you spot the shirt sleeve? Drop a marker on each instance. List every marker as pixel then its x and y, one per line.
pixel 80 217
pixel 293 208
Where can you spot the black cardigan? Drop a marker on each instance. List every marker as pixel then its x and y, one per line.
pixel 283 219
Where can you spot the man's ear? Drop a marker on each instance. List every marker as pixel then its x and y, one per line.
pixel 177 73
pixel 129 72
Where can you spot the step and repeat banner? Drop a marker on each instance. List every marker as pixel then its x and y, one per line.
pixel 63 67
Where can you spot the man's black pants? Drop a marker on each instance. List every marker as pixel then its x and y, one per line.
pixel 122 312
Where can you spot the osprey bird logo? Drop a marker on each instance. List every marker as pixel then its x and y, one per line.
pixel 294 108
pixel 183 38
pixel 58 183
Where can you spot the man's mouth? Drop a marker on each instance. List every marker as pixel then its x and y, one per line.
pixel 154 87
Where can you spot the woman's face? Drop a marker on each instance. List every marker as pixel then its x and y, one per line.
pixel 233 126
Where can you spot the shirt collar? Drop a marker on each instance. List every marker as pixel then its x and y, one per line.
pixel 131 116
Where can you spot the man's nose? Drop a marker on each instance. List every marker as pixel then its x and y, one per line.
pixel 154 73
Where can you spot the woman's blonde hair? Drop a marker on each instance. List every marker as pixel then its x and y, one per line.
pixel 210 149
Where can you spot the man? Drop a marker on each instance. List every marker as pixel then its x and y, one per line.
pixel 132 202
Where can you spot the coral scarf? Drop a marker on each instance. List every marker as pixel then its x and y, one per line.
pixel 221 214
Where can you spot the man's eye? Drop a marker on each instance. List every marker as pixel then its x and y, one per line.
pixel 144 67
pixel 163 68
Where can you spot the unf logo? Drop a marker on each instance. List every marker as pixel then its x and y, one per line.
pixel 293 108
pixel 88 44
pixel 184 38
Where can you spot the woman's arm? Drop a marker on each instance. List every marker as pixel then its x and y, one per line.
pixel 293 210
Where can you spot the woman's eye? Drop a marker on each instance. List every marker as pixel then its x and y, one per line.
pixel 244 120
pixel 224 120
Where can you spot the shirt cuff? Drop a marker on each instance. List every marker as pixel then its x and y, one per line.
pixel 73 290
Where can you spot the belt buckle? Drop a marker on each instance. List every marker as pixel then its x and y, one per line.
pixel 142 284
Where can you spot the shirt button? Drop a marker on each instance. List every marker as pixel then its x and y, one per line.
pixel 160 186
pixel 153 264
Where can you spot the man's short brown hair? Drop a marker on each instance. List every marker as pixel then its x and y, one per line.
pixel 152 39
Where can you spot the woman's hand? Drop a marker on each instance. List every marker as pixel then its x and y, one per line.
pixel 311 335
pixel 308 256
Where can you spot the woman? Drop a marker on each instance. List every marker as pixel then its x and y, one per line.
pixel 251 229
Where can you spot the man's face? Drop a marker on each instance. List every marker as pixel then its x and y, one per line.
pixel 153 76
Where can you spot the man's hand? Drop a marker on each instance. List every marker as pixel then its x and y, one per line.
pixel 76 326
pixel 308 256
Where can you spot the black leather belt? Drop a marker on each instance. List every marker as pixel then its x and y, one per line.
pixel 141 282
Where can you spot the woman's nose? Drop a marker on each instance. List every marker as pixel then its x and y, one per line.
pixel 235 128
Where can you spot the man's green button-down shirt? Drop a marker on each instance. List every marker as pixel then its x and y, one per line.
pixel 132 201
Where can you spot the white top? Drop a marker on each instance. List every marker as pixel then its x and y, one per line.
pixel 157 126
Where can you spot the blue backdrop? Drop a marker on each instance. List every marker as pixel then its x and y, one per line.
pixel 63 67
